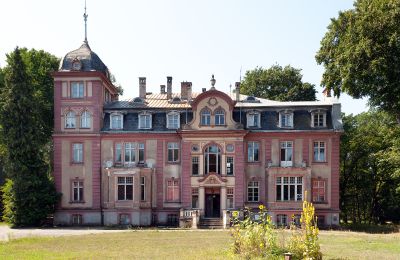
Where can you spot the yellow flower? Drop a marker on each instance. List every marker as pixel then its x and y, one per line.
pixel 235 213
pixel 261 207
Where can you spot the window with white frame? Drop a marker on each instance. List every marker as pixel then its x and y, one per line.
pixel 141 152
pixel 205 117
pixel 173 152
pixel 229 198
pixel 281 220
pixel 77 191
pixel 219 117
pixel 173 120
pixel 253 119
pixel 77 89
pixel 318 190
pixel 286 119
pixel 289 188
pixel 253 191
pixel 195 198
pixel 86 119
pixel 130 153
pixel 77 153
pixel 125 188
pixel 70 120
pixel 319 151
pixel 212 159
pixel 145 121
pixel 318 118
pixel 253 151
pixel 142 188
pixel 116 121
pixel 229 165
pixel 173 190
pixel 286 154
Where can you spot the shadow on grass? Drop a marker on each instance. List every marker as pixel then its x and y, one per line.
pixel 370 228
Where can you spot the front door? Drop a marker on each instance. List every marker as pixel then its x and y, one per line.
pixel 212 206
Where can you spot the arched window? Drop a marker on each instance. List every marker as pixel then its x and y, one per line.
pixel 220 117
pixel 212 159
pixel 205 117
pixel 86 120
pixel 70 120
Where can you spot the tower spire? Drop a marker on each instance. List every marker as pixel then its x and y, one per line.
pixel 85 16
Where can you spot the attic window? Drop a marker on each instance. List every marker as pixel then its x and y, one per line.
pixel 176 99
pixel 251 99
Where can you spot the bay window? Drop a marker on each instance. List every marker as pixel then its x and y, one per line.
pixel 253 191
pixel 289 188
pixel 125 188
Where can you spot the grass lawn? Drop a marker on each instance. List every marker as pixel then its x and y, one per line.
pixel 153 244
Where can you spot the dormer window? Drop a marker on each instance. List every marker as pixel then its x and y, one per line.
pixel 318 118
pixel 220 117
pixel 253 119
pixel 145 121
pixel 116 121
pixel 70 120
pixel 205 117
pixel 286 119
pixel 173 120
pixel 77 89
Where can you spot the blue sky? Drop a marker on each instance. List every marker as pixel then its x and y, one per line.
pixel 188 40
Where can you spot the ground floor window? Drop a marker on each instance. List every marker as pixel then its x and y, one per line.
pixel 77 219
pixel 77 191
pixel 296 220
pixel 281 220
pixel 173 190
pixel 318 190
pixel 320 220
pixel 172 219
pixel 289 188
pixel 195 198
pixel 125 188
pixel 229 198
pixel 253 191
pixel 124 219
pixel 142 188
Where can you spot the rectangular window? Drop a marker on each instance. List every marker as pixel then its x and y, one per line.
pixel 143 188
pixel 173 152
pixel 124 219
pixel 145 121
pixel 77 89
pixel 173 190
pixel 118 153
pixel 286 154
pixel 229 165
pixel 77 191
pixel 77 219
pixel 130 153
pixel 173 121
pixel 195 165
pixel 252 151
pixel 253 120
pixel 125 188
pixel 281 220
pixel 219 118
pixel 289 188
pixel 319 151
pixel 116 122
pixel 318 119
pixel 252 191
pixel 318 190
pixel 229 198
pixel 195 198
pixel 286 119
pixel 77 153
pixel 141 152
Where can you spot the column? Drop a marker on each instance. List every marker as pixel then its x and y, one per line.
pixel 202 198
pixel 223 198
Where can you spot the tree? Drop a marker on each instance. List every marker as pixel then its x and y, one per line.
pixel 277 83
pixel 29 195
pixel 361 53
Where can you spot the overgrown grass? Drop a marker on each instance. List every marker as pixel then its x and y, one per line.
pixel 371 228
pixel 153 244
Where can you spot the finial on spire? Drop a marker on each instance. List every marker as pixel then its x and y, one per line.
pixel 212 82
pixel 85 16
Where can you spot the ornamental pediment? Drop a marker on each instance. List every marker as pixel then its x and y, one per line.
pixel 213 179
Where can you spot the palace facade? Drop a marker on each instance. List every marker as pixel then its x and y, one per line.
pixel 167 158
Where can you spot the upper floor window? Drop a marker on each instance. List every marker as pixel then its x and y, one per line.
pixel 145 121
pixel 286 154
pixel 253 119
pixel 77 153
pixel 252 151
pixel 116 121
pixel 77 89
pixel 229 198
pixel 86 120
pixel 173 152
pixel 220 117
pixel 195 165
pixel 286 119
pixel 141 152
pixel 319 151
pixel 252 191
pixel 129 153
pixel 125 188
pixel 229 165
pixel 173 120
pixel 173 190
pixel 205 117
pixel 212 159
pixel 289 188
pixel 318 118
pixel 70 120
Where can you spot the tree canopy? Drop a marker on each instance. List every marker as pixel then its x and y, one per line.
pixel 361 53
pixel 277 83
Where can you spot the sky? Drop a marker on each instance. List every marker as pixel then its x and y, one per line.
pixel 188 40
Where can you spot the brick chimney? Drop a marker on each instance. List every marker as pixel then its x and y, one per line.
pixel 169 87
pixel 142 87
pixel 162 89
pixel 237 91
pixel 186 89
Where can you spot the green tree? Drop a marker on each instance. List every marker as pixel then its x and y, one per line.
pixel 361 53
pixel 29 195
pixel 277 83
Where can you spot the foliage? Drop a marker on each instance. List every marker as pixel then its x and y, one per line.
pixel 277 83
pixel 120 89
pixel 361 52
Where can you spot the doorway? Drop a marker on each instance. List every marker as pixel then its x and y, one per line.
pixel 213 205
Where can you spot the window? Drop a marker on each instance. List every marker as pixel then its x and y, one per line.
pixel 296 220
pixel 77 219
pixel 125 188
pixel 77 153
pixel 86 120
pixel 124 219
pixel 281 220
pixel 212 159
pixel 319 151
pixel 173 120
pixel 77 89
pixel 144 121
pixel 229 165
pixel 118 153
pixel 286 154
pixel 320 220
pixel 173 152
pixel 141 152
pixel 252 191
pixel 143 188
pixel 195 165
pixel 289 188
pixel 229 198
pixel 173 190
pixel 116 121
pixel 286 119
pixel 252 151
pixel 70 120
pixel 205 117
pixel 253 119
pixel 77 191
pixel 130 153
pixel 318 190
pixel 318 118
pixel 219 117
pixel 195 198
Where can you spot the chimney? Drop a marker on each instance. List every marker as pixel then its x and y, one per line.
pixel 237 91
pixel 142 87
pixel 203 90
pixel 189 92
pixel 169 87
pixel 186 87
pixel 162 89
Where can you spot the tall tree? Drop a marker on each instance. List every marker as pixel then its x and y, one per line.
pixel 29 195
pixel 277 83
pixel 361 53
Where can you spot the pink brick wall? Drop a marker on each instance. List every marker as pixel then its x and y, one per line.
pixel 96 171
pixel 335 172
pixel 185 176
pixel 160 174
pixel 240 191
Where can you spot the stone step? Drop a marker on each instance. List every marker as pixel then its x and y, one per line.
pixel 210 223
